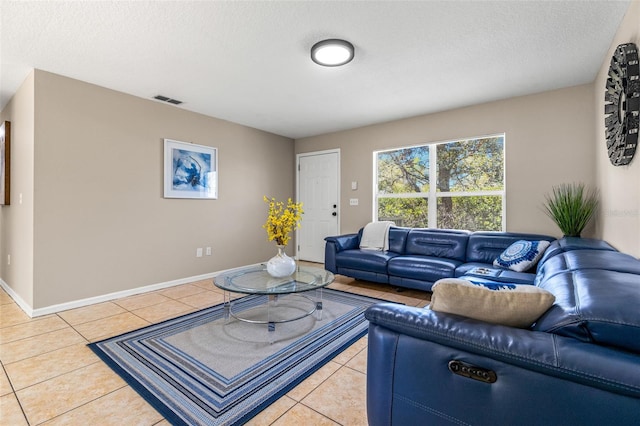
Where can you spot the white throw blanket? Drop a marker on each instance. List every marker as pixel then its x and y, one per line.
pixel 375 236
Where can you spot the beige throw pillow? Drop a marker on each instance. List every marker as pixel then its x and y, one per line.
pixel 498 303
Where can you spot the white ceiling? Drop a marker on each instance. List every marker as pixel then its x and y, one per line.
pixel 248 61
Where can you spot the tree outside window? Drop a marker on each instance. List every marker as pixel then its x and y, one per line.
pixel 456 185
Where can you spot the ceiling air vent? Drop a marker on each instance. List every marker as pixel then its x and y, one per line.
pixel 166 99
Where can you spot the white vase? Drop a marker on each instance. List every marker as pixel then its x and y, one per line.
pixel 281 265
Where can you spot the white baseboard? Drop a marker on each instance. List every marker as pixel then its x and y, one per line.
pixel 16 297
pixel 103 298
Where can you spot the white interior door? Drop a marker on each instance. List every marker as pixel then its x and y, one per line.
pixel 319 192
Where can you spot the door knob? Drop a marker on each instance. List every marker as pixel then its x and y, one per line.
pixel 335 206
pixel 334 214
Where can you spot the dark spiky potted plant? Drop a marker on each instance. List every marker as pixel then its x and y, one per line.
pixel 571 206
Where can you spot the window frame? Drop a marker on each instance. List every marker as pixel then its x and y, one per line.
pixel 433 194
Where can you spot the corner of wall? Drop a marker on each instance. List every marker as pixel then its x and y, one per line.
pixel 16 219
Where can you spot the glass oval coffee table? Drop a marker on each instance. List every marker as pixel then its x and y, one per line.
pixel 287 299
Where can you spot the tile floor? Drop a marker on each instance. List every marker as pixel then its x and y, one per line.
pixel 49 377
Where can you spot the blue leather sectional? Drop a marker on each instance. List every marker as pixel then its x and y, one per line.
pixel 418 257
pixel 579 364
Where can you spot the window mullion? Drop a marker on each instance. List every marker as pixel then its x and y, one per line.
pixel 432 203
pixel 470 193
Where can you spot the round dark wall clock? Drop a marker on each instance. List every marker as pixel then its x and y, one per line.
pixel 622 103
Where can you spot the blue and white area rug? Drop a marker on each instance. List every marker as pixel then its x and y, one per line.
pixel 199 369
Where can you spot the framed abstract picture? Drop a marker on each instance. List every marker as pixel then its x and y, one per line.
pixel 190 170
pixel 5 163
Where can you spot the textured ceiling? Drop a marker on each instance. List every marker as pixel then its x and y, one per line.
pixel 248 62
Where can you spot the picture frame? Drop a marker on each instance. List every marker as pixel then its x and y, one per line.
pixel 5 163
pixel 190 170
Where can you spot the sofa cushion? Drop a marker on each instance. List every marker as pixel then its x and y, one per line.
pixel 521 255
pixel 485 247
pixel 498 303
pixel 368 260
pixel 588 259
pixel 490 273
pixel 397 238
pixel 574 243
pixel 594 305
pixel 437 243
pixel 375 235
pixel 423 268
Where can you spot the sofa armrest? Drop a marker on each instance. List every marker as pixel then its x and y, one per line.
pixel 344 242
pixel 408 375
pixel 336 244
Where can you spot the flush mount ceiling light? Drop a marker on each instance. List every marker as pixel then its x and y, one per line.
pixel 332 52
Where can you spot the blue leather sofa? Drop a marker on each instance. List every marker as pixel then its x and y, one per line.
pixel 418 257
pixel 579 364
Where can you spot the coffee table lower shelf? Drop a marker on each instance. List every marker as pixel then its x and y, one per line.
pixel 278 309
pixel 287 298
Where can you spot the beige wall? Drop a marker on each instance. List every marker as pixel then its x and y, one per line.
pixel 549 140
pixel 101 224
pixel 16 220
pixel 619 218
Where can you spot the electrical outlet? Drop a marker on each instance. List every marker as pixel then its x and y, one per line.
pixel 208 251
pixel 353 202
pixel 199 252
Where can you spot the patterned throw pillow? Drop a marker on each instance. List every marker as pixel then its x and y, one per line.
pixel 498 303
pixel 521 255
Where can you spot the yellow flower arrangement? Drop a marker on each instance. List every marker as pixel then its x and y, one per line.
pixel 282 220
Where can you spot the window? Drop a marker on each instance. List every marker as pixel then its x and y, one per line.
pixel 457 184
